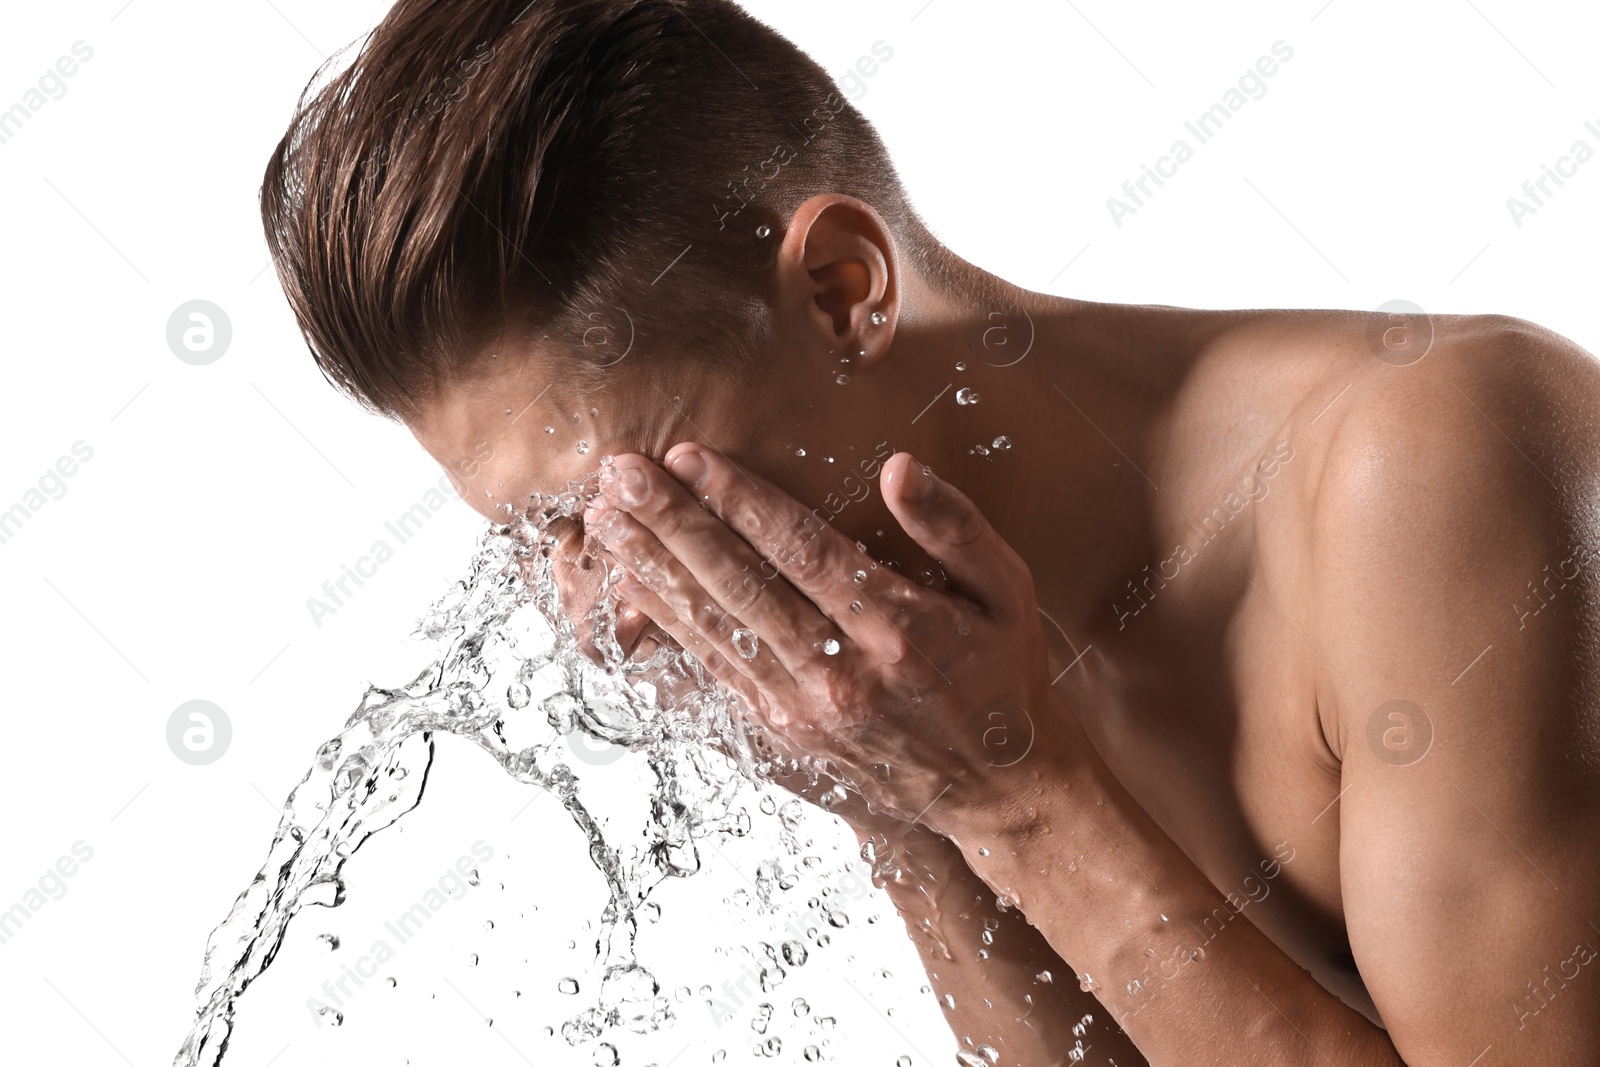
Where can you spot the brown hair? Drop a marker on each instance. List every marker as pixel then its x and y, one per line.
pixel 492 163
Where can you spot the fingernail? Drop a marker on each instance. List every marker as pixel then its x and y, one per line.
pixel 689 468
pixel 607 524
pixel 632 485
pixel 922 486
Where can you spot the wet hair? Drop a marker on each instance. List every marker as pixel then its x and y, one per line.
pixel 599 172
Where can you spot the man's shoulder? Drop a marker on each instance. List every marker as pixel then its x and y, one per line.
pixel 1497 412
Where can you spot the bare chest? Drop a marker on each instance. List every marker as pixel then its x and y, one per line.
pixel 1201 698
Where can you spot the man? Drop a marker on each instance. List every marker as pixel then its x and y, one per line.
pixel 1249 658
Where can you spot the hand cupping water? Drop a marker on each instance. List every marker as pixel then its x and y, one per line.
pixel 892 687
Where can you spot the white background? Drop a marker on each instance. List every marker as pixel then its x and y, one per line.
pixel 219 498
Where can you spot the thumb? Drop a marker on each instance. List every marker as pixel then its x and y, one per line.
pixel 951 529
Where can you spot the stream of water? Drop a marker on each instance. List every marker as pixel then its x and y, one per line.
pixel 501 638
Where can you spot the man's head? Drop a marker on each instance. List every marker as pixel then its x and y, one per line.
pixel 592 195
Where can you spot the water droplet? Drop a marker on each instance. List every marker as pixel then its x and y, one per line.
pixel 838 919
pixel 878 318
pixel 508 411
pixel 843 379
pixel 583 448
pixel 966 396
pixel 1044 978
pixel 763 231
pixel 794 954
pixel 472 959
pixel 488 924
pixel 1087 983
pixel 948 1000
pixel 800 452
pixel 569 986
pixel 390 982
pixel 982 450
pixel 605 1055
pixel 859 577
pixel 961 366
pixel 862 354
pixel 855 607
pixel 831 647
pixel 903 1061
pixel 549 429
pixel 335 1018
pixel 328 942
pixel 594 413
pixel 982 851
pixel 1002 444
pixel 746 643
pixel 813 1054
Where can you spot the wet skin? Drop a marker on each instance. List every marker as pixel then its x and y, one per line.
pixel 1222 545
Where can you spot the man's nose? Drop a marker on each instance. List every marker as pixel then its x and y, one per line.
pixel 580 578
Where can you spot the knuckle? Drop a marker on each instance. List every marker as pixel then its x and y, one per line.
pixel 966 527
pixel 742 590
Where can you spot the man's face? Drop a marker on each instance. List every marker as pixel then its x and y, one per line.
pixel 520 429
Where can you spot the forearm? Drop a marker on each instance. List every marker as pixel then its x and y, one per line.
pixel 1188 978
pixel 997 979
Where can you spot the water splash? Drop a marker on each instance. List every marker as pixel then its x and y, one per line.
pixel 501 633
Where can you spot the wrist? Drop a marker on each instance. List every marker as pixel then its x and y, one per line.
pixel 1038 751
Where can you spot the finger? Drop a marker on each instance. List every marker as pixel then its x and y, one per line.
pixel 642 556
pixel 823 565
pixel 722 563
pixel 639 597
pixel 952 530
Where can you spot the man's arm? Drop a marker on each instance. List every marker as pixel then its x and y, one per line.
pixel 1470 875
pixel 1458 595
pixel 998 980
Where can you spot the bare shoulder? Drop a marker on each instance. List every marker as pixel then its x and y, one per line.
pixel 1484 407
pixel 1452 495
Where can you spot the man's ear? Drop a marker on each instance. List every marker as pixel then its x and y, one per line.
pixel 838 275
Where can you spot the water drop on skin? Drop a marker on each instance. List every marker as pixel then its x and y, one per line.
pixel 569 986
pixel 800 452
pixel 961 366
pixel 549 429
pixel 843 379
pixel 746 643
pixel 859 577
pixel 855 607
pixel 831 647
pixel 583 448
pixel 1002 444
pixel 763 232
pixel 966 396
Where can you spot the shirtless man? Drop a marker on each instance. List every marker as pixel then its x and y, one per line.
pixel 1250 657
